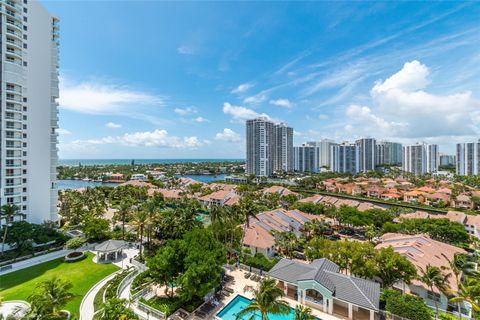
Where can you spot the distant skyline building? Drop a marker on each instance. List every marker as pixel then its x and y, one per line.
pixel 306 158
pixel 366 154
pixel 269 147
pixel 324 151
pixel 260 147
pixel 389 153
pixel 344 158
pixel 447 160
pixel 420 158
pixel 283 158
pixel 468 158
pixel 29 113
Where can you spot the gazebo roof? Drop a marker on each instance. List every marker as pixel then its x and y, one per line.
pixel 110 245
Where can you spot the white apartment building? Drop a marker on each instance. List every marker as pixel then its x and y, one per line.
pixel 388 153
pixel 324 151
pixel 366 154
pixel 306 158
pixel 468 158
pixel 28 109
pixel 420 158
pixel 283 147
pixel 269 147
pixel 344 158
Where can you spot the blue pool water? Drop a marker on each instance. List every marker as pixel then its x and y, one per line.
pixel 230 311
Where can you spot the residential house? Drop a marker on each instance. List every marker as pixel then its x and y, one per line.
pixel 220 198
pixel 463 201
pixel 321 286
pixel 261 232
pixel 422 251
pixel 282 191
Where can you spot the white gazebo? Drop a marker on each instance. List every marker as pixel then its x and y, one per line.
pixel 110 250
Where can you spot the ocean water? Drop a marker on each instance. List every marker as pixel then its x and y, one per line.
pixel 100 162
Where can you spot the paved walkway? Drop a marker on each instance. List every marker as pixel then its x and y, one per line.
pixel 36 260
pixel 86 308
pixel 10 307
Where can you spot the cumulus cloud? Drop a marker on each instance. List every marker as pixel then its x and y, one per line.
pixel 200 119
pixel 101 98
pixel 401 108
pixel 282 103
pixel 113 125
pixel 157 138
pixel 185 111
pixel 228 135
pixel 240 113
pixel 244 87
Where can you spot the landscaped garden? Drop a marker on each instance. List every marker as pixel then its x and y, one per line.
pixel 83 275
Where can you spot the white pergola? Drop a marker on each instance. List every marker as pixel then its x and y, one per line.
pixel 109 248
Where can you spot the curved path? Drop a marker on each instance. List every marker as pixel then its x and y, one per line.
pixel 86 308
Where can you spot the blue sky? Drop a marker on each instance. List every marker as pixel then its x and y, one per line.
pixel 151 79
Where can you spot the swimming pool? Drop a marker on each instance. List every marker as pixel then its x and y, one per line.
pixel 230 311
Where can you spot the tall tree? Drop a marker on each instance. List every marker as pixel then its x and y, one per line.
pixel 303 313
pixel 7 212
pixel 140 221
pixel 433 277
pixel 393 267
pixel 124 212
pixel 266 299
pixel 48 299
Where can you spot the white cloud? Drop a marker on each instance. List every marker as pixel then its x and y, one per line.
pixel 412 77
pixel 323 117
pixel 63 131
pixel 241 113
pixel 256 99
pixel 228 135
pixel 157 138
pixel 113 125
pixel 402 109
pixel 185 111
pixel 244 87
pixel 187 50
pixel 282 103
pixel 200 119
pixel 100 98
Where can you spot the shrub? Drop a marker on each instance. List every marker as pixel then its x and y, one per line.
pixel 405 305
pixel 259 261
pixel 75 243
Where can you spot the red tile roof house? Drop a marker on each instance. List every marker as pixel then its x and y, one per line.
pixel 463 201
pixel 279 189
pixel 259 237
pixel 471 222
pixel 220 198
pixel 375 192
pixel 413 196
pixel 421 250
pixel 436 198
pixel 314 199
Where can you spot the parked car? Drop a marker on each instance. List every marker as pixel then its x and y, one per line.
pixel 328 232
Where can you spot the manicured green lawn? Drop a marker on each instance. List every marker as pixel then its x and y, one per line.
pixel 83 274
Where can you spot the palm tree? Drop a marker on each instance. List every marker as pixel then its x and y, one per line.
pixel 139 222
pixel 466 293
pixel 266 300
pixel 48 299
pixel 7 212
pixel 287 241
pixel 303 313
pixel 434 277
pixel 459 265
pixel 124 212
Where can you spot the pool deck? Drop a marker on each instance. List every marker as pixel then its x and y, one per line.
pixel 238 285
